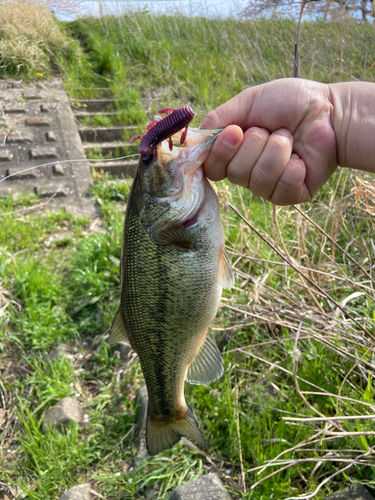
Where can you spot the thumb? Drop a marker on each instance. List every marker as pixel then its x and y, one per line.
pixel 233 112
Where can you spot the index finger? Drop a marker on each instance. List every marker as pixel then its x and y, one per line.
pixel 233 112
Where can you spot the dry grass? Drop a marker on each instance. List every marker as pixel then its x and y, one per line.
pixel 325 296
pixel 30 37
pixel 365 195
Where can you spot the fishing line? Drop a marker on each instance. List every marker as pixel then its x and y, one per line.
pixel 64 161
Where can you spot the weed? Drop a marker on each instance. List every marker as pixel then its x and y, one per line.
pixel 296 330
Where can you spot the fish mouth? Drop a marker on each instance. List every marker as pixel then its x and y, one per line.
pixel 188 160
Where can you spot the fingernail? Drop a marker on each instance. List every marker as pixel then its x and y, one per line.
pixel 294 155
pixel 284 132
pixel 230 140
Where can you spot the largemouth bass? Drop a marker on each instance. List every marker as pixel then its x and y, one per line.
pixel 173 269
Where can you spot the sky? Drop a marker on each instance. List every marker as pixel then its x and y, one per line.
pixel 210 8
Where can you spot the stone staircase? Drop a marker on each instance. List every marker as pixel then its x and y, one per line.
pixel 105 141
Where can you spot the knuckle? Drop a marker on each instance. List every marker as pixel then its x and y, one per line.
pixel 280 144
pixel 257 136
pixel 236 172
pixel 261 182
pixel 211 120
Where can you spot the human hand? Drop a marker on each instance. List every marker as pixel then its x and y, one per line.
pixel 279 140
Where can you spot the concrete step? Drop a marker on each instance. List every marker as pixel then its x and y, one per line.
pixel 81 115
pixel 93 105
pixel 104 134
pixel 118 168
pixel 107 148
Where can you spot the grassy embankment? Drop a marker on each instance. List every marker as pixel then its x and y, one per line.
pixel 292 352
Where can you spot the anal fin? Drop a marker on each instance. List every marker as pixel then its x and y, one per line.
pixel 226 276
pixel 117 332
pixel 207 364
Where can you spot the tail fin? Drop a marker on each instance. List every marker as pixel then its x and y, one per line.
pixel 161 436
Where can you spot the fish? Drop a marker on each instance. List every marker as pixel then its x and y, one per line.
pixel 174 267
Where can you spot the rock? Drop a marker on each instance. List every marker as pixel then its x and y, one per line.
pixel 81 492
pixel 140 420
pixel 125 350
pixel 357 492
pixel 58 352
pixel 207 487
pixel 142 452
pixel 62 414
pixel 141 400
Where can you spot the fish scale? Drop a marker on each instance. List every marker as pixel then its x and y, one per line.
pixel 171 283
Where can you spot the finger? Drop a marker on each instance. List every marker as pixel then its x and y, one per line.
pixel 240 168
pixel 271 163
pixel 223 150
pixel 236 110
pixel 291 188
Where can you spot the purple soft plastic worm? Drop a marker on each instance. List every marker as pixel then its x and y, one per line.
pixel 163 129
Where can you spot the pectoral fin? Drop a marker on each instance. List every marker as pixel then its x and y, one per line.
pixel 207 364
pixel 174 236
pixel 226 276
pixel 117 331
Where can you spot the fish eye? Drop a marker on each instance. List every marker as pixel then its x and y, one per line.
pixel 147 160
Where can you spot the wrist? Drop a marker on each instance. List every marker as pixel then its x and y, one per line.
pixel 353 121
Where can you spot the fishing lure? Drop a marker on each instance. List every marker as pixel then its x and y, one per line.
pixel 175 119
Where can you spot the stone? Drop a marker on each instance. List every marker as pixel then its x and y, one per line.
pixel 141 401
pixel 207 487
pixel 81 492
pixel 58 169
pixel 357 492
pixel 142 452
pixel 51 190
pixel 15 109
pixel 37 122
pixel 5 155
pixel 43 153
pixel 51 136
pixel 125 351
pixel 20 137
pixel 44 108
pixel 58 352
pixel 62 414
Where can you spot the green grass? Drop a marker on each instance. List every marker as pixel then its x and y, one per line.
pixel 59 282
pixel 204 62
pixel 76 306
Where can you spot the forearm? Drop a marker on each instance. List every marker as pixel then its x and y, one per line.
pixel 353 120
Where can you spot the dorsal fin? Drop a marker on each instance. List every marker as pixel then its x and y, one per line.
pixel 226 276
pixel 117 331
pixel 207 364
